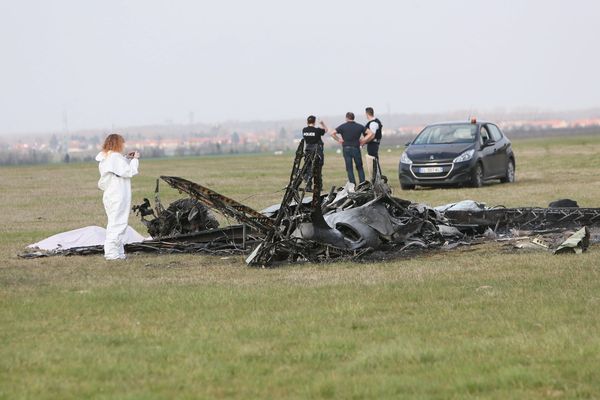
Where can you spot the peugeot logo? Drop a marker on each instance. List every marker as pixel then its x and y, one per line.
pixel 431 157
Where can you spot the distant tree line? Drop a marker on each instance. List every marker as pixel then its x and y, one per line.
pixel 56 152
pixel 34 156
pixel 31 156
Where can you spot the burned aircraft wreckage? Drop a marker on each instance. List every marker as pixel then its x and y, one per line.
pixel 365 222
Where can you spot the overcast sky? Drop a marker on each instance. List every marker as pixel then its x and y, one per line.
pixel 119 63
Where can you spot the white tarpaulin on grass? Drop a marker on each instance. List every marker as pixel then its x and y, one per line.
pixel 88 236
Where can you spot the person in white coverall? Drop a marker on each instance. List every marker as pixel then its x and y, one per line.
pixel 116 172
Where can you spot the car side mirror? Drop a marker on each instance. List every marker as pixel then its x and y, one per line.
pixel 407 144
pixel 489 143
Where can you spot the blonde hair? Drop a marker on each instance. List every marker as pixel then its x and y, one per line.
pixel 113 142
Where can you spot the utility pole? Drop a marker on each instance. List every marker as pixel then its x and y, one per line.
pixel 191 118
pixel 389 113
pixel 65 138
pixel 65 119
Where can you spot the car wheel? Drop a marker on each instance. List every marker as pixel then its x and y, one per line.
pixel 510 173
pixel 477 176
pixel 407 186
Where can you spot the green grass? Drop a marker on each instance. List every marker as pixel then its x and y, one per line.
pixel 479 322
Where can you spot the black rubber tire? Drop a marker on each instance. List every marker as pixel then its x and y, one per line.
pixel 407 186
pixel 510 173
pixel 477 176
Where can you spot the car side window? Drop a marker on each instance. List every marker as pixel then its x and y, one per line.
pixel 484 135
pixel 495 133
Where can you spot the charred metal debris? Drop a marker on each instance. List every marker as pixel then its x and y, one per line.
pixel 351 223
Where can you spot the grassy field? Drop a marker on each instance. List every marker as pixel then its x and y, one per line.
pixel 480 322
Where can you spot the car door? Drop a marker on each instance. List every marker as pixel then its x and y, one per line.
pixel 487 153
pixel 499 151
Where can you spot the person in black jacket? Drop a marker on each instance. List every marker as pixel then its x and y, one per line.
pixel 374 125
pixel 312 141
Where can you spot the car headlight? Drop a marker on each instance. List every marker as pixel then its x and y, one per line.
pixel 404 159
pixel 466 156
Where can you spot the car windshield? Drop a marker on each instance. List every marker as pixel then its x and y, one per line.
pixel 445 134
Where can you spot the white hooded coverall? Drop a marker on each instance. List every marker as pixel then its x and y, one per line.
pixel 115 180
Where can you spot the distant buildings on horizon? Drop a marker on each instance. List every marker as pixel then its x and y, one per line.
pixel 83 146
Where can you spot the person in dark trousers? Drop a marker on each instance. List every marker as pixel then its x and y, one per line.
pixel 312 141
pixel 374 125
pixel 353 136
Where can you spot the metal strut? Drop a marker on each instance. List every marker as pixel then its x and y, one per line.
pixel 222 204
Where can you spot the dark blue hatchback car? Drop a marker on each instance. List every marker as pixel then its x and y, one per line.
pixel 457 153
